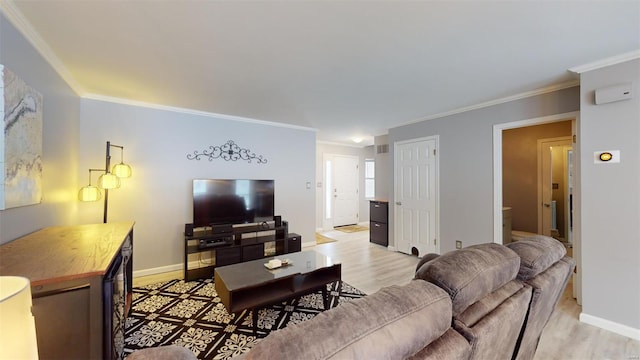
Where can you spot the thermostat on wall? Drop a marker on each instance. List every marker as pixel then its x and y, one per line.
pixel 606 157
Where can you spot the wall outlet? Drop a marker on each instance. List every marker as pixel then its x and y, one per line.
pixel 458 244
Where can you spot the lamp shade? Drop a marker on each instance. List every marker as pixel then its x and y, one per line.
pixel 109 181
pixel 121 170
pixel 89 193
pixel 17 328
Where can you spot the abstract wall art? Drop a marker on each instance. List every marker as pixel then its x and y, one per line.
pixel 20 142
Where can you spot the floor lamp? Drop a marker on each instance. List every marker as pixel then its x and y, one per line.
pixel 107 181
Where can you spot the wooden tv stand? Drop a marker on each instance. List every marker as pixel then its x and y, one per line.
pixel 243 243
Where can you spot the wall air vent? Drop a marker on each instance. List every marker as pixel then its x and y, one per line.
pixel 382 149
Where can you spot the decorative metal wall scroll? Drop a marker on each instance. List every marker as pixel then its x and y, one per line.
pixel 229 151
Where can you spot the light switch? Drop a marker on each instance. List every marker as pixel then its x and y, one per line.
pixel 308 184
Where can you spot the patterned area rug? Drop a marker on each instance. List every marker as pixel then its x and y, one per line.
pixel 190 314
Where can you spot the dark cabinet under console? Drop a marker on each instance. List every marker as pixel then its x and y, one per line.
pixel 205 250
pixel 81 286
pixel 378 222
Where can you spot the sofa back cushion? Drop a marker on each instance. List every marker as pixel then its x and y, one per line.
pixel 495 335
pixel 393 323
pixel 469 274
pixel 545 268
pixel 450 346
pixel 537 253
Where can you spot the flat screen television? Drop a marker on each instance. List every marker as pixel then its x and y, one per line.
pixel 232 201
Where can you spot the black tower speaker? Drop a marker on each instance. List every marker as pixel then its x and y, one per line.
pixel 278 220
pixel 188 229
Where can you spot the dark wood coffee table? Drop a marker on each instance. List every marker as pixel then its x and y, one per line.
pixel 250 285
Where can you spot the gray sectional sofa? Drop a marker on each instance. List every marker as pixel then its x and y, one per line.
pixel 482 302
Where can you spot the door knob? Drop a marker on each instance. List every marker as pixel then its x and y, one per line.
pixel 547 205
pixel 398 202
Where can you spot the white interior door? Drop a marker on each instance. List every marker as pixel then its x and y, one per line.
pixel 416 226
pixel 345 190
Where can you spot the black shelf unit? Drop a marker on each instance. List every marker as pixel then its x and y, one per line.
pixel 237 246
pixel 379 219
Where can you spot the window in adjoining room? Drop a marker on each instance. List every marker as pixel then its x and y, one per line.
pixel 369 178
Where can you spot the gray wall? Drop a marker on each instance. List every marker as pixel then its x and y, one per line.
pixel 611 199
pixel 59 139
pixel 384 172
pixel 159 195
pixel 466 162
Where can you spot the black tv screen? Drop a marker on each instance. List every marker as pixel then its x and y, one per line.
pixel 232 201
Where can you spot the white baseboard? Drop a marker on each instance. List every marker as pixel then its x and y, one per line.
pixel 192 264
pixel 608 325
pixel 362 223
pixel 158 270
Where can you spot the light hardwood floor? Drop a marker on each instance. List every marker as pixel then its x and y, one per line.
pixel 369 267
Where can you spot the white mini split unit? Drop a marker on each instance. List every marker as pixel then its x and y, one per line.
pixel 613 93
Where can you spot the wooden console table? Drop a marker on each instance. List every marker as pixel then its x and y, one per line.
pixel 81 283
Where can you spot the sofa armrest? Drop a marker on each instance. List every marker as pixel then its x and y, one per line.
pixel 397 321
pixel 425 259
pixel 169 352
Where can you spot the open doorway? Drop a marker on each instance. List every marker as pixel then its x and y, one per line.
pixel 518 198
pixel 533 182
pixel 341 192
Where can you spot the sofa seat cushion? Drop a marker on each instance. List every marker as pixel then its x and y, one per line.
pixel 393 323
pixel 537 254
pixel 469 274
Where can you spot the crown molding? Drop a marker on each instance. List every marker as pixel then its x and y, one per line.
pixel 613 60
pixel 499 101
pixel 331 143
pixel 15 17
pixel 193 112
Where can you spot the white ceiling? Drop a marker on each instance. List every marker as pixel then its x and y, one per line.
pixel 349 69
